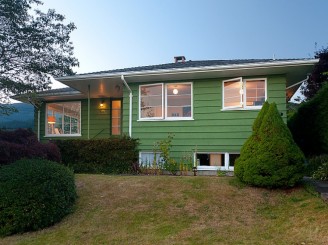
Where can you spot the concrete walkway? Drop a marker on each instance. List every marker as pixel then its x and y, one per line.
pixel 320 186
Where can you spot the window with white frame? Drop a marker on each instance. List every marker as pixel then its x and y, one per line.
pixel 63 119
pixel 149 159
pixel 172 101
pixel 151 101
pixel 241 93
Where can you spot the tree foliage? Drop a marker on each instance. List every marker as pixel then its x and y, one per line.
pixel 318 76
pixel 32 47
pixel 309 125
pixel 270 157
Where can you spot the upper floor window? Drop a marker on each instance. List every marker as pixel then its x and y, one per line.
pixel 241 93
pixel 172 101
pixel 63 119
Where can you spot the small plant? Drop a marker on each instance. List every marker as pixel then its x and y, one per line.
pixel 164 147
pixel 322 172
pixel 221 173
pixel 186 163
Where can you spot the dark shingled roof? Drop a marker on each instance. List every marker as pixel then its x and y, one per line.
pixel 188 64
pixel 58 90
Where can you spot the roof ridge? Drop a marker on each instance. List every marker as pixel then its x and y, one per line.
pixel 190 63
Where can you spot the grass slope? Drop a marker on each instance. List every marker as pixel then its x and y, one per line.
pixel 184 210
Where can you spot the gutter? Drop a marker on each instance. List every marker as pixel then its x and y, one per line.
pixel 130 107
pixel 171 71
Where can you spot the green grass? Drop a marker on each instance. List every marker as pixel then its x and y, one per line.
pixel 184 210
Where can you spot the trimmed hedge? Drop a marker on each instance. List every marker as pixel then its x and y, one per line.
pixel 34 194
pixel 23 143
pixel 112 155
pixel 309 125
pixel 270 158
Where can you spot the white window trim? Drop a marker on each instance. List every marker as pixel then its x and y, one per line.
pixel 226 166
pixel 244 88
pixel 231 107
pixel 147 152
pixel 61 135
pixel 191 103
pixel 151 118
pixel 243 107
pixel 164 103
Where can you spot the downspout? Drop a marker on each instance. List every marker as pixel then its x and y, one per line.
pixel 130 102
pixel 88 111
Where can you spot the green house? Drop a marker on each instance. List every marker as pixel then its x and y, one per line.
pixel 209 106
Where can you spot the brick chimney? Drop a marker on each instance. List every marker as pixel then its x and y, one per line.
pixel 180 59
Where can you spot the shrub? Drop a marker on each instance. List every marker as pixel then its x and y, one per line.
pixel 322 172
pixel 314 163
pixel 270 158
pixel 112 155
pixel 309 125
pixel 23 143
pixel 34 194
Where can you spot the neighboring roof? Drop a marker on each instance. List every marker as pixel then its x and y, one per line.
pixel 51 94
pixel 61 91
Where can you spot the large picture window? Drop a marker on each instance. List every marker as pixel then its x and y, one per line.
pixel 63 119
pixel 244 94
pixel 172 103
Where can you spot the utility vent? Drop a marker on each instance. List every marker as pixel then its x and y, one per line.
pixel 179 59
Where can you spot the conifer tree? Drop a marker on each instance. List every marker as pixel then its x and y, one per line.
pixel 270 157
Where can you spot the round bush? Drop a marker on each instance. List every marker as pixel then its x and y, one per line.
pixel 34 194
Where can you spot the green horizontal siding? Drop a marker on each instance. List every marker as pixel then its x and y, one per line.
pixel 212 129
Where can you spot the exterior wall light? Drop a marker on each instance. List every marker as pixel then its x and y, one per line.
pixel 175 91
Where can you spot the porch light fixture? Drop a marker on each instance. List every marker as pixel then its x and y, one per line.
pixel 102 104
pixel 51 119
pixel 175 91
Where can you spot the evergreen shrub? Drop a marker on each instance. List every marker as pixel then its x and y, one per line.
pixel 314 163
pixel 23 143
pixel 113 155
pixel 34 194
pixel 309 125
pixel 270 158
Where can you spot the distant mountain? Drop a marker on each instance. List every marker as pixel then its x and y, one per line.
pixel 24 118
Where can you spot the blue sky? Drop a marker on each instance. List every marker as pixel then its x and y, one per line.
pixel 127 33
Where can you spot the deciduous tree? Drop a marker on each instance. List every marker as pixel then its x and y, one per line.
pixel 33 46
pixel 319 75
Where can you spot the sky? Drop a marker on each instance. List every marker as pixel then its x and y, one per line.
pixel 126 33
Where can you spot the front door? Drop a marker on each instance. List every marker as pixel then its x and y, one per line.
pixel 116 116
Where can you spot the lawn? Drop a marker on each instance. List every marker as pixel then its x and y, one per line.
pixel 184 210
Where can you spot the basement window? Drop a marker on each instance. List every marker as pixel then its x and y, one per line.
pixel 148 159
pixel 216 160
